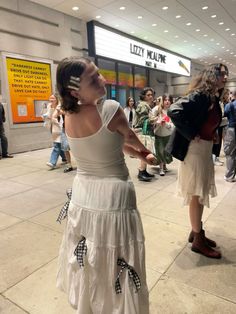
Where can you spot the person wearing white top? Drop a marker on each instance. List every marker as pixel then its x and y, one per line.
pixel 129 111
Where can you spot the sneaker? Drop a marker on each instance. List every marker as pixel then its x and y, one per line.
pixel 68 169
pixel 218 162
pixel 165 168
pixel 230 180
pixel 162 173
pixel 50 165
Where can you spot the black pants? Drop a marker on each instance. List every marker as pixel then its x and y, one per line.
pixel 217 147
pixel 4 142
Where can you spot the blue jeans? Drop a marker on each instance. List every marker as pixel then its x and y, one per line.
pixel 56 152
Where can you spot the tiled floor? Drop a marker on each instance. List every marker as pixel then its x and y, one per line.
pixel 180 282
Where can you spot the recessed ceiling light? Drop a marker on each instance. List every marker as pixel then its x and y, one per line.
pixel 199 48
pixel 231 53
pixel 205 35
pixel 132 32
pixel 98 16
pixel 197 30
pixel 232 34
pixel 176 36
pixel 227 50
pixel 178 16
pixel 227 29
pixel 210 54
pixel 157 42
pixel 154 24
pixel 222 47
pixel 75 8
pixel 166 31
pixel 193 45
pixel 231 64
pixel 212 39
pixel 220 59
pixel 234 55
pixel 217 44
pixel 221 23
pixel 122 8
pixel 165 8
pixel 213 16
pixel 224 60
pixel 145 37
pixel 205 62
pixel 117 25
pixel 140 17
pixel 215 57
pixel 205 8
pixel 185 41
pixel 188 24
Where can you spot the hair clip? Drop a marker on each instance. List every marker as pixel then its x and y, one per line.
pixel 74 83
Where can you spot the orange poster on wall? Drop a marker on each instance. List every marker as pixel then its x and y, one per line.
pixel 30 87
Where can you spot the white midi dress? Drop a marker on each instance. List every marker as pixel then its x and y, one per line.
pixel 102 255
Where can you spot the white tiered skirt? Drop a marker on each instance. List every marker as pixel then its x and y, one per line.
pixel 103 211
pixel 196 173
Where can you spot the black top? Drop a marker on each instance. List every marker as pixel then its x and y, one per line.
pixel 2 114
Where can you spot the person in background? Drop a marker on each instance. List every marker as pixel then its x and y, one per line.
pixel 129 111
pixel 196 118
pixel 162 129
pixel 56 130
pixel 3 138
pixel 230 139
pixel 65 146
pixel 102 255
pixel 143 112
pixel 217 146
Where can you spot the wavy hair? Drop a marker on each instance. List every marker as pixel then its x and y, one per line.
pixel 73 66
pixel 206 80
pixel 145 91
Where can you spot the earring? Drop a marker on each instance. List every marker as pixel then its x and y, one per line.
pixel 79 102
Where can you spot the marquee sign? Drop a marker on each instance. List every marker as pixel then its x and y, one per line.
pixel 109 44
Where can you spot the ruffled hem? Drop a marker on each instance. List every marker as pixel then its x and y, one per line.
pixel 109 236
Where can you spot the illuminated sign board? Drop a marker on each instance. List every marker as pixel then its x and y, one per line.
pixel 113 45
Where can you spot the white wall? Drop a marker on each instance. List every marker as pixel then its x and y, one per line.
pixel 29 29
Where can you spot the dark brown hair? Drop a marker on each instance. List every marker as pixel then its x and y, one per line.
pixel 73 66
pixel 145 91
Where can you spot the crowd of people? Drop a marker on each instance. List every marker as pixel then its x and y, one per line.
pixel 102 255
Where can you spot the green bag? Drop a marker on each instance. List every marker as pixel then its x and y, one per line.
pixel 147 128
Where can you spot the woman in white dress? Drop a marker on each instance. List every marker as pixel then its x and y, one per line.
pixel 129 111
pixel 102 255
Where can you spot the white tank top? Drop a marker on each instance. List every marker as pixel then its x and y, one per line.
pixel 101 154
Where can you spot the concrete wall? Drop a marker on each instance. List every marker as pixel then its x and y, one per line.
pixel 29 29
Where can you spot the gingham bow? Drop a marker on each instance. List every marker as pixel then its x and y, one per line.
pixel 64 210
pixel 133 276
pixel 80 251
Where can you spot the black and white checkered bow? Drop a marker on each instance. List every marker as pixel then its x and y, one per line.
pixel 80 251
pixel 64 210
pixel 132 276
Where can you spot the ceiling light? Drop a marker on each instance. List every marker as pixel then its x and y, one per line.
pixel 154 24
pixel 193 45
pixel 220 59
pixel 165 8
pixel 176 36
pixel 215 57
pixel 117 25
pixel 197 30
pixel 227 29
pixel 157 42
pixel 222 47
pixel 166 31
pixel 212 39
pixel 122 8
pixel 185 41
pixel 205 35
pixel 221 23
pixel 231 53
pixel 205 8
pixel 234 55
pixel 217 44
pixel 145 37
pixel 188 24
pixel 213 16
pixel 98 16
pixel 232 34
pixel 178 16
pixel 132 32
pixel 224 60
pixel 227 50
pixel 75 8
pixel 199 48
pixel 140 17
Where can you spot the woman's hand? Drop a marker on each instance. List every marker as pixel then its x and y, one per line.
pixel 148 157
